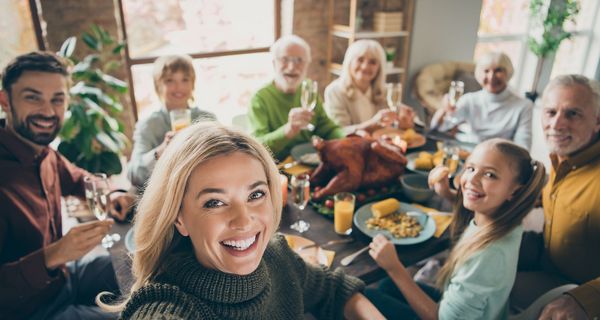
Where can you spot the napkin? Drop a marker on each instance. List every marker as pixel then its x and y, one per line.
pixel 315 255
pixel 442 219
pixel 295 170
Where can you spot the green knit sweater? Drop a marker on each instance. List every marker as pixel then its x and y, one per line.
pixel 282 287
pixel 268 113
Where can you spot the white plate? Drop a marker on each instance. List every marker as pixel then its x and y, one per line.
pixel 364 213
pixel 300 150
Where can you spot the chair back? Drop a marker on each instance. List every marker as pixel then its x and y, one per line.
pixel 534 310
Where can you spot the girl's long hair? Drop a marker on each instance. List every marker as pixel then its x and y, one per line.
pixel 155 234
pixel 530 175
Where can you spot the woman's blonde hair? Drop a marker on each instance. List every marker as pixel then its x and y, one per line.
pixel 155 234
pixel 497 58
pixel 530 176
pixel 357 49
pixel 166 65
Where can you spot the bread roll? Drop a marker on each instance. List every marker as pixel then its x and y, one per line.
pixel 424 164
pixel 437 174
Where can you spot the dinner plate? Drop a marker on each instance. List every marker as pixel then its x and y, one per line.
pixel 302 151
pixel 364 213
pixel 411 157
pixel 129 241
pixel 418 141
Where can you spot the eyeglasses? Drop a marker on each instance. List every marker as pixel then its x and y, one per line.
pixel 292 59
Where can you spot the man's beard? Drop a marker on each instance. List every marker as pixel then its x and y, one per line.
pixel 24 129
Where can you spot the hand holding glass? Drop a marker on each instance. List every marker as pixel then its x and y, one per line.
pixel 308 97
pixel 97 194
pixel 300 192
pixel 180 119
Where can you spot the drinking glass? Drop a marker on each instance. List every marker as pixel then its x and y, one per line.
pixel 308 97
pixel 97 194
pixel 394 98
pixel 180 119
pixel 343 209
pixel 451 158
pixel 300 192
pixel 457 89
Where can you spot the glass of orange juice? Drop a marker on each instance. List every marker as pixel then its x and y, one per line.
pixel 180 119
pixel 343 209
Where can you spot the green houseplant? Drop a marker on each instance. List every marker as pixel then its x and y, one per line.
pixel 92 137
pixel 547 31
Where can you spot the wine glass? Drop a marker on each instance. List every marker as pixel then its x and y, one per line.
pixel 97 194
pixel 457 89
pixel 451 158
pixel 300 191
pixel 394 98
pixel 308 97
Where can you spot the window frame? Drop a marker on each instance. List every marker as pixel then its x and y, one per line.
pixel 130 62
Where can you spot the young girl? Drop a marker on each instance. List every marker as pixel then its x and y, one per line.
pixel 206 246
pixel 498 187
pixel 174 80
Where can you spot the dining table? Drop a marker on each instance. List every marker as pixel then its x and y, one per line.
pixel 321 231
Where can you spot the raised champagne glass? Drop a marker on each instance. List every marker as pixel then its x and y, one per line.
pixel 300 193
pixel 456 90
pixel 308 97
pixel 394 98
pixel 97 194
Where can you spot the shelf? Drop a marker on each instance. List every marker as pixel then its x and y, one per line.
pixel 343 31
pixel 336 69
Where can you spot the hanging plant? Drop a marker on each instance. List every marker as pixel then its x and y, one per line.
pixel 92 137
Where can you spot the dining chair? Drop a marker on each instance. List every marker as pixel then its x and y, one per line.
pixel 533 311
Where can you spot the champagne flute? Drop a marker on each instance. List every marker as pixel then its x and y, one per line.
pixel 97 194
pixel 300 191
pixel 394 98
pixel 457 89
pixel 308 97
pixel 451 158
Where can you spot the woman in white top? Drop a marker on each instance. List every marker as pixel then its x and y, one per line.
pixel 356 100
pixel 492 112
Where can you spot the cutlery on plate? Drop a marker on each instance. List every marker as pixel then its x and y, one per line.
pixel 328 243
pixel 348 259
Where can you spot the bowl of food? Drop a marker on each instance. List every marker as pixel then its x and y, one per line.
pixel 415 187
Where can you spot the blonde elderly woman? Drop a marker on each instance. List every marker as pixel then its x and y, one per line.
pixel 494 111
pixel 206 246
pixel 357 99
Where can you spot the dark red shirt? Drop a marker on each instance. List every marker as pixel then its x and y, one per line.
pixel 31 186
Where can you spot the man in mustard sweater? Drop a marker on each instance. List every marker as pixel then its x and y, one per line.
pixel 571 199
pixel 275 112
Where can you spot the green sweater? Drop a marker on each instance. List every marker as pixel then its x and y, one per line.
pixel 268 114
pixel 282 287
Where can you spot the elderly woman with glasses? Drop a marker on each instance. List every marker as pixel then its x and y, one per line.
pixel 492 112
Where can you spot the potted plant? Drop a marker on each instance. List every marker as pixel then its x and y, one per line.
pixel 92 137
pixel 547 31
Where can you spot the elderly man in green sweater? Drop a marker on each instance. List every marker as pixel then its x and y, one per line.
pixel 275 115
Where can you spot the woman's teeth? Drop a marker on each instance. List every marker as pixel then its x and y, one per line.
pixel 240 244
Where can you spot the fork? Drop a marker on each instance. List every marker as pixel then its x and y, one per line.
pixel 328 243
pixel 348 259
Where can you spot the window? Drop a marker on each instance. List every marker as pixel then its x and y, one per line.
pixel 580 53
pixel 228 39
pixel 16 16
pixel 504 26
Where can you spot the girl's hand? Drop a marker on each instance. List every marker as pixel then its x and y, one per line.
pixel 384 253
